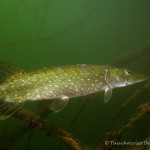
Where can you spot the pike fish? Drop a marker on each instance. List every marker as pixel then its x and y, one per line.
pixel 58 84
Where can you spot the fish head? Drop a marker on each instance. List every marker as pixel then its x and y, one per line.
pixel 133 78
pixel 124 77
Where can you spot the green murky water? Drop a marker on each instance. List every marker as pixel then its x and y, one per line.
pixel 45 33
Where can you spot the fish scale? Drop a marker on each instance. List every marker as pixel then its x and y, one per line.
pixel 71 81
pixel 60 84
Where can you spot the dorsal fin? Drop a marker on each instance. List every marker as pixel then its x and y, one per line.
pixel 7 70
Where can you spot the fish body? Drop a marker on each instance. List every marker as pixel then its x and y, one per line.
pixel 54 83
pixel 60 84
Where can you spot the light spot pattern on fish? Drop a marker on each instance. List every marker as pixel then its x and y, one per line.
pixel 60 84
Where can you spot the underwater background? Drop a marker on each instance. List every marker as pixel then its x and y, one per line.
pixel 45 33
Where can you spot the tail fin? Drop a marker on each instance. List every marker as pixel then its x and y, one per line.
pixel 8 108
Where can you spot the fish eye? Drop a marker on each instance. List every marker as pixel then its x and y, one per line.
pixel 128 72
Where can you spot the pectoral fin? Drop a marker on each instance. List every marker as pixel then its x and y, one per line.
pixel 8 109
pixel 58 104
pixel 107 94
pixel 108 90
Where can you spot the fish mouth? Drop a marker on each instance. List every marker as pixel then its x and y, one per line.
pixel 140 78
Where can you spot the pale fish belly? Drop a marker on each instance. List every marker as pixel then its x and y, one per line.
pixel 55 83
pixel 59 84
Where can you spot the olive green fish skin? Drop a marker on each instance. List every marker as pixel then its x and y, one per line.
pixel 71 81
pixel 59 82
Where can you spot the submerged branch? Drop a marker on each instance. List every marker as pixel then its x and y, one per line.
pixel 133 97
pixel 38 123
pixel 33 121
pixel 143 111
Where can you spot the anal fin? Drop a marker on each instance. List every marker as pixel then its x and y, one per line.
pixel 7 109
pixel 58 104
